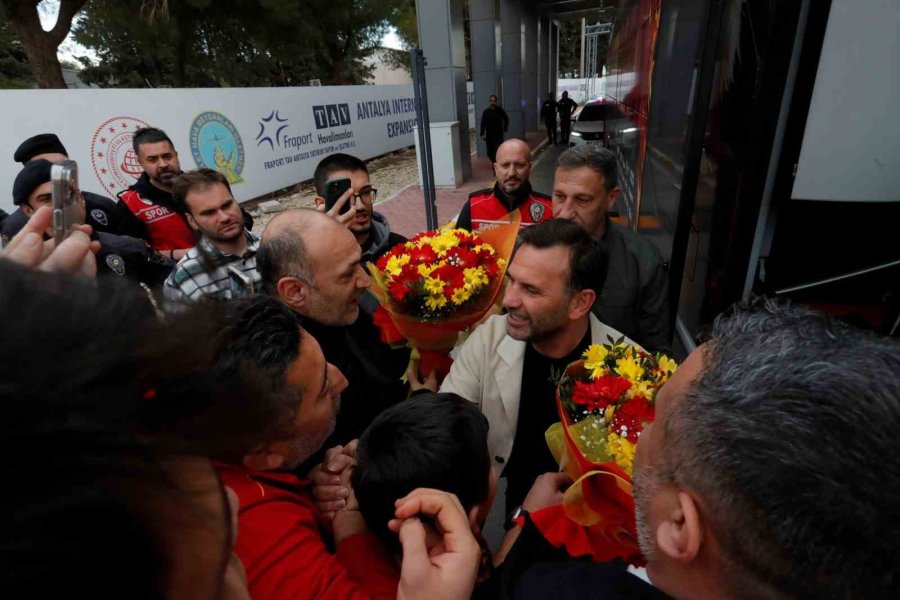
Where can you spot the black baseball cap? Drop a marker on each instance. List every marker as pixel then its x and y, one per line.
pixel 29 178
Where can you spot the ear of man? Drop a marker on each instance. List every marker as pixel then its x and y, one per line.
pixel 580 304
pixel 679 530
pixel 267 458
pixel 612 197
pixel 294 292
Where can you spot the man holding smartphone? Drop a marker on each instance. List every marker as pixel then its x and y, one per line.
pixel 119 255
pixel 99 210
pixel 223 263
pixel 370 228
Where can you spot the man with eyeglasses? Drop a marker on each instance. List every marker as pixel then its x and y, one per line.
pixel 371 229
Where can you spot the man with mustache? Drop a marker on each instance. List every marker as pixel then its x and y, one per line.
pixel 510 364
pixel 146 209
pixel 223 263
pixel 486 209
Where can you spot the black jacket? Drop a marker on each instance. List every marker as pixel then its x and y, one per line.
pixel 494 122
pixel 585 581
pixel 132 259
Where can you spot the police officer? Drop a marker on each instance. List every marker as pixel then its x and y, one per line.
pixel 566 108
pixel 119 255
pixel 548 116
pixel 99 210
pixel 486 208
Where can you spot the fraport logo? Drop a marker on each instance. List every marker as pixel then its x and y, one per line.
pixel 331 115
pixel 216 144
pixel 270 129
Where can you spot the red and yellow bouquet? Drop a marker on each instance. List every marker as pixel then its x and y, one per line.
pixel 436 285
pixel 604 400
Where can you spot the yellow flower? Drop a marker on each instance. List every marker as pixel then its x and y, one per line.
pixel 666 364
pixel 642 388
pixel 460 296
pixel 435 302
pixel 475 278
pixel 395 263
pixel 622 451
pixel 443 242
pixel 434 285
pixel 425 270
pixel 594 358
pixel 501 263
pixel 629 368
pixel 487 247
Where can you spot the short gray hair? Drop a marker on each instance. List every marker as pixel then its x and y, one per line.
pixel 789 436
pixel 600 160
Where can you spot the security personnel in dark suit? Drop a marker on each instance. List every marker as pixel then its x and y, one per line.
pixel 119 255
pixel 548 116
pixel 100 211
pixel 494 123
pixel 566 107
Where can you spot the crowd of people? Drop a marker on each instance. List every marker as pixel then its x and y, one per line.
pixel 213 412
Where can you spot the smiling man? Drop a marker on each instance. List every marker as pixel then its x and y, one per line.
pixel 311 262
pixel 223 263
pixel 510 364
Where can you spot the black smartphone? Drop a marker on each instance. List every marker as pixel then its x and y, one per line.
pixel 64 191
pixel 334 189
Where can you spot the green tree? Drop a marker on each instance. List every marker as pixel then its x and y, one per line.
pixel 14 69
pixel 195 43
pixel 40 45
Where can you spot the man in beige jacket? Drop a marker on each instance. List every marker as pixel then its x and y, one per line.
pixel 510 364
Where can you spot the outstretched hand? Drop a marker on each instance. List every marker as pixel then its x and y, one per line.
pixel 442 571
pixel 330 491
pixel 74 255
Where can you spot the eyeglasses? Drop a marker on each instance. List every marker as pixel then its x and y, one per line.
pixel 367 197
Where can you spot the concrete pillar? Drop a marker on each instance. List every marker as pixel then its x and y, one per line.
pixel 544 57
pixel 512 97
pixel 554 58
pixel 530 84
pixel 442 39
pixel 485 53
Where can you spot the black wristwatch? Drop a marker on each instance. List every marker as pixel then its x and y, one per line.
pixel 512 516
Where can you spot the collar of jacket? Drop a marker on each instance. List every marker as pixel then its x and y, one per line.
pixel 514 200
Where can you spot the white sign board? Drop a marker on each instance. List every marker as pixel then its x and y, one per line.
pixel 262 139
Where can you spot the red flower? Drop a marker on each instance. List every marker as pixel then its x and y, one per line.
pixel 633 416
pixel 601 392
pixel 398 291
pixel 423 255
pixel 465 257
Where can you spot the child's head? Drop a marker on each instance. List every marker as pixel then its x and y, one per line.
pixel 432 440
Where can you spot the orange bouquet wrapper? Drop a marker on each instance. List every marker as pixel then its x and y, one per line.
pixel 611 392
pixel 432 336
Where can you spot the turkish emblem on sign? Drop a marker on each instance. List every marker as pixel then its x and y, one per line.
pixel 114 161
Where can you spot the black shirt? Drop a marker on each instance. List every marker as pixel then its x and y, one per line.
pixel 537 411
pixel 494 122
pixel 566 107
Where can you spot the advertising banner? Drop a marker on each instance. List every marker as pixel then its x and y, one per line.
pixel 262 139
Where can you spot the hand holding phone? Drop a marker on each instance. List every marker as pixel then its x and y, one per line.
pixel 66 199
pixel 334 189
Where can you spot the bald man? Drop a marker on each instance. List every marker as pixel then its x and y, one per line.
pixel 311 263
pixel 488 208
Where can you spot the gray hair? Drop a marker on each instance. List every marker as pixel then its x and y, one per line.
pixel 600 160
pixel 789 436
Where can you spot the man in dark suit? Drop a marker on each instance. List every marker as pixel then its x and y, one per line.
pixel 494 123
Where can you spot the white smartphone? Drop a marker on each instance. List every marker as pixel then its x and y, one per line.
pixel 64 180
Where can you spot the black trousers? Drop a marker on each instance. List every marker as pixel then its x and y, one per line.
pixel 551 131
pixel 565 127
pixel 492 144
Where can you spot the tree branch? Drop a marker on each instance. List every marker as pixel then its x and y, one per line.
pixel 67 11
